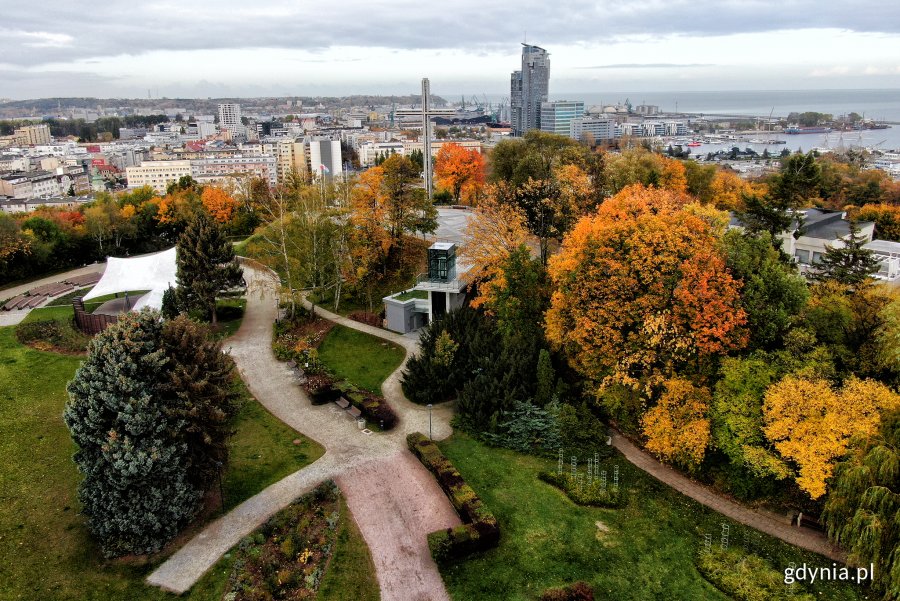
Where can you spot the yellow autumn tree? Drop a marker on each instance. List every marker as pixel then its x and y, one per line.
pixel 218 203
pixel 370 241
pixel 728 190
pixel 495 231
pixel 812 424
pixel 677 428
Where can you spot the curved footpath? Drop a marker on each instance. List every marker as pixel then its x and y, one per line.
pixel 393 498
pixel 799 537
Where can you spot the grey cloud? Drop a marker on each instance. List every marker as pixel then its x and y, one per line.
pixel 119 27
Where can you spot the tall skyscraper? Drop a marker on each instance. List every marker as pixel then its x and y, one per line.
pixel 230 118
pixel 528 89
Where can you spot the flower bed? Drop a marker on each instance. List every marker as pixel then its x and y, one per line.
pixel 321 389
pixel 584 493
pixel 479 531
pixel 577 591
pixel 287 556
pixel 298 340
pixel 373 407
pixel 747 577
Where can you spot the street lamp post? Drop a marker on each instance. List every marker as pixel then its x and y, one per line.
pixel 429 421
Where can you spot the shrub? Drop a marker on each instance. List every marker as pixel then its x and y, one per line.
pixel 373 407
pixel 581 433
pixel 746 577
pixel 585 493
pixel 527 429
pixel 52 335
pixel 577 591
pixel 479 531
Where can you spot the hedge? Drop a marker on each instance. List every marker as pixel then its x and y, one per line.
pixel 321 389
pixel 747 577
pixel 586 494
pixel 479 531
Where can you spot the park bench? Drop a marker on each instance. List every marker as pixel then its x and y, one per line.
pixel 342 403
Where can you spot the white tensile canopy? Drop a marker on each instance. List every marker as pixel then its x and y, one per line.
pixel 154 272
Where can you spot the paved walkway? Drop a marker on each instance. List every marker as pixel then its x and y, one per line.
pixel 800 537
pixel 394 499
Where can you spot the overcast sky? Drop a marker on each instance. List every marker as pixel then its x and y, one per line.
pixel 199 48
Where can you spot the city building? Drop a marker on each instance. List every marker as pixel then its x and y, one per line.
pixel 157 174
pixel 33 135
pixel 823 229
pixel 557 116
pixel 437 292
pixel 230 118
pixel 597 130
pixel 325 158
pixel 529 87
pixel 221 168
pixel 291 157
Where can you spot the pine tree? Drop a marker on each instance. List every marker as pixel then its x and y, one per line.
pixel 136 493
pixel 545 379
pixel 850 264
pixel 200 379
pixel 169 307
pixel 206 265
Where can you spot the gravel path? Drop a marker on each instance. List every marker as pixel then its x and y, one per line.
pixel 799 537
pixel 394 499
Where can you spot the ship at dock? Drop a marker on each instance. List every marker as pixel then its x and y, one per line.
pixel 807 130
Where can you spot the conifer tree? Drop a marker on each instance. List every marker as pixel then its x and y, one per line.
pixel 136 492
pixel 850 264
pixel 200 379
pixel 206 265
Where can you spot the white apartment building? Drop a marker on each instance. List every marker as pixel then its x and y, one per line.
pixel 157 174
pixel 230 118
pixel 221 168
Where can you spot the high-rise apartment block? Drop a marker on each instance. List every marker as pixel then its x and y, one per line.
pixel 528 89
pixel 230 118
pixel 557 116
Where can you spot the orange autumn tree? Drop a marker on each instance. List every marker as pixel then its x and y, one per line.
pixel 493 233
pixel 218 203
pixel 641 289
pixel 812 424
pixel 461 171
pixel 677 428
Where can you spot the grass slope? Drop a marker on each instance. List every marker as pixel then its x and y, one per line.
pixel 645 550
pixel 45 550
pixel 361 358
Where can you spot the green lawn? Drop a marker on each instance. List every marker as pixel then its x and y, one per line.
pixel 644 550
pixel 45 550
pixel 360 358
pixel 410 294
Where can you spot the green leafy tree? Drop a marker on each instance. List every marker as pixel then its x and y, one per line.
pixel 799 179
pixel 737 418
pixel 772 294
pixel 850 264
pixel 206 265
pixel 136 492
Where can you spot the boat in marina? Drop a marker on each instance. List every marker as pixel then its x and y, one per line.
pixel 807 130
